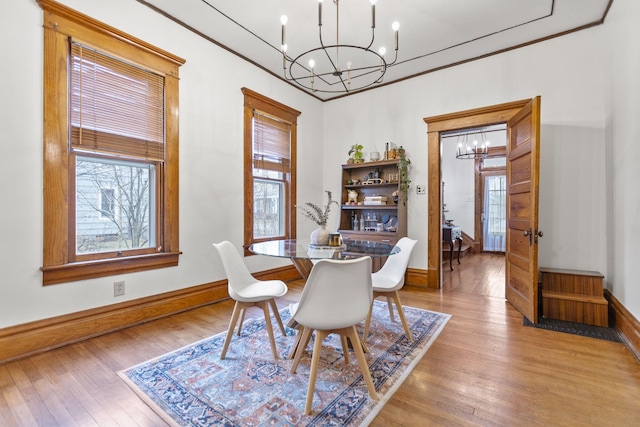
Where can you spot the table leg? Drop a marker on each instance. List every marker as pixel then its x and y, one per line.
pixel 459 248
pixel 303 266
pixel 451 243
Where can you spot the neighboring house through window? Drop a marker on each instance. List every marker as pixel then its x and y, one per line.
pixel 270 168
pixel 111 150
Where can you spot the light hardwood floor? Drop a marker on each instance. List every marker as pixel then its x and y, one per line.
pixel 484 369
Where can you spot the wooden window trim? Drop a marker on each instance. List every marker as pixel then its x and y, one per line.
pixel 256 101
pixel 61 23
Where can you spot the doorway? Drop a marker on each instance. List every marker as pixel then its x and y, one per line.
pixel 474 185
pixel 473 166
pixel 486 116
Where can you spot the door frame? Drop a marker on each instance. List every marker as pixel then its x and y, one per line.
pixel 484 116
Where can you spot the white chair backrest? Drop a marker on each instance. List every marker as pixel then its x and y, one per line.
pixel 396 265
pixel 338 294
pixel 238 275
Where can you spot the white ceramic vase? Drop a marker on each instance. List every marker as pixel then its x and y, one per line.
pixel 320 236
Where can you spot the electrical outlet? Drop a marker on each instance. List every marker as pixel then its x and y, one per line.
pixel 118 288
pixel 421 189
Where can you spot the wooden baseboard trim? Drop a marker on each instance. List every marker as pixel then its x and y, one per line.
pixel 420 278
pixel 624 322
pixel 46 334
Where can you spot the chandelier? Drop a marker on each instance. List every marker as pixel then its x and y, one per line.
pixel 322 69
pixel 474 150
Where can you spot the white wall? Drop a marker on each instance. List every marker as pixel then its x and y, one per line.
pixel 459 186
pixel 623 152
pixel 567 72
pixel 211 159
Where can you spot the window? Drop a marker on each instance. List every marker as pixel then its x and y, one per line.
pixel 111 147
pixel 270 168
pixel 107 204
pixel 495 208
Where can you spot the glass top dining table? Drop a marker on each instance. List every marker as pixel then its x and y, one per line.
pixel 302 252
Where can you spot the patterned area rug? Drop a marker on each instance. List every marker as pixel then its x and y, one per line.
pixel 193 387
pixel 599 332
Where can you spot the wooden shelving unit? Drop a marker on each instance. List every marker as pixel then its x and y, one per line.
pixel 385 185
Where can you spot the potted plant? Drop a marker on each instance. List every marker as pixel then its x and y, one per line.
pixel 320 236
pixel 355 153
pixel 403 171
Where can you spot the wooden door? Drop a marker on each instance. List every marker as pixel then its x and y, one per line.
pixel 523 161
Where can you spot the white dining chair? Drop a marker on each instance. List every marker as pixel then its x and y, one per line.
pixel 247 291
pixel 335 298
pixel 389 280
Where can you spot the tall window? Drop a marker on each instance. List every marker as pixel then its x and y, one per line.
pixel 270 147
pixel 495 213
pixel 111 147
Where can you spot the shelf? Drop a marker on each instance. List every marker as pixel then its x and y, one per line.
pixel 361 207
pixel 370 164
pixel 384 184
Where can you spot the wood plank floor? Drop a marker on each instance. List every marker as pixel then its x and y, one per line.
pixel 484 369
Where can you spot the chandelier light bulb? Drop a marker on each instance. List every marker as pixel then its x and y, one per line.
pixel 284 19
pixel 312 63
pixel 382 51
pixel 395 26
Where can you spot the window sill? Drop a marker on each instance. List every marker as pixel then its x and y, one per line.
pixel 52 275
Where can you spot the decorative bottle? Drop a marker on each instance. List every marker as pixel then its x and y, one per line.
pixel 361 222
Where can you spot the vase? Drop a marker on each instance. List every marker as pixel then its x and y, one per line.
pixel 320 236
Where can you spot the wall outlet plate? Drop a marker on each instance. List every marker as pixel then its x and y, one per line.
pixel 118 288
pixel 421 189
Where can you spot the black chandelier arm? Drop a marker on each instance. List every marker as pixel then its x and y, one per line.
pixel 334 76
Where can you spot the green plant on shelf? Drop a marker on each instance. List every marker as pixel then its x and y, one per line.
pixel 356 154
pixel 403 171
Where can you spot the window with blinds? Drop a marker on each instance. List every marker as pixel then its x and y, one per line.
pixel 270 146
pixel 110 137
pixel 116 123
pixel 271 168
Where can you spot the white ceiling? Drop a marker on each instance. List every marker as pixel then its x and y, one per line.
pixel 433 33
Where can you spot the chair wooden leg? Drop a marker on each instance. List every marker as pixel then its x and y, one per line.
pixel 313 373
pixel 303 339
pixel 276 314
pixel 403 319
pixel 366 374
pixel 367 323
pixel 267 319
pixel 390 307
pixel 345 348
pixel 296 343
pixel 237 309
pixel 242 313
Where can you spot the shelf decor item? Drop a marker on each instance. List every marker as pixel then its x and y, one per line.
pixel 319 236
pixel 403 170
pixel 356 154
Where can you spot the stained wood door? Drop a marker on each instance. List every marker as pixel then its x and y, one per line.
pixel 523 162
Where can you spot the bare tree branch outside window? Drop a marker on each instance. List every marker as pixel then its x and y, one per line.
pixel 126 224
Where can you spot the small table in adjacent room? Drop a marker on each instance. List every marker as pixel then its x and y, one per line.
pixel 451 233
